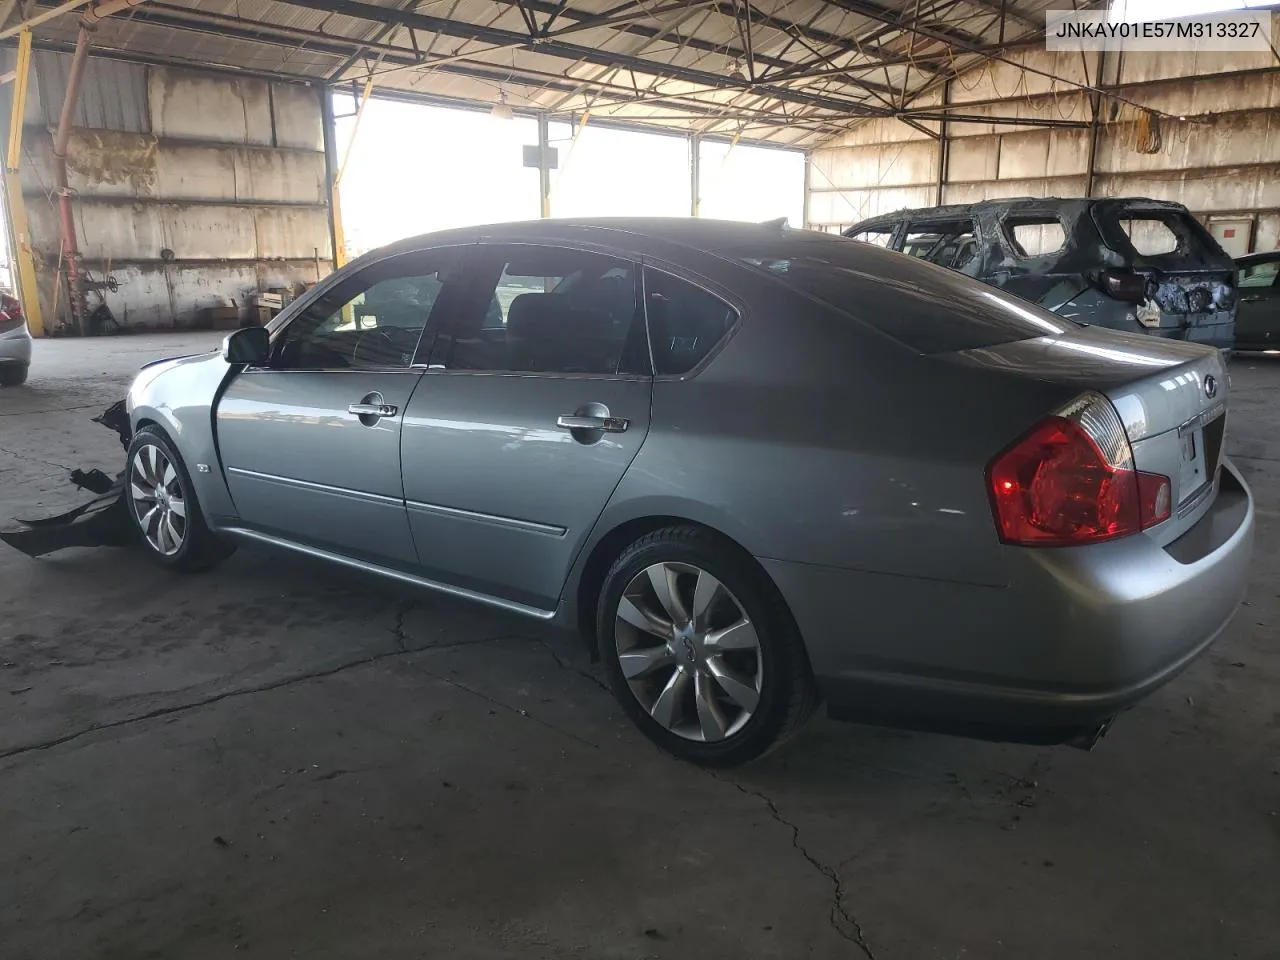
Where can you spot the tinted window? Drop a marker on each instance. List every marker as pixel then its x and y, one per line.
pixel 927 309
pixel 685 322
pixel 371 320
pixel 549 310
pixel 950 244
pixel 1035 236
pixel 1259 274
pixel 880 236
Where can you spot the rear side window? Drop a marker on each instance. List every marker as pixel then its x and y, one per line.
pixel 926 309
pixel 948 244
pixel 685 322
pixel 1035 236
pixel 880 236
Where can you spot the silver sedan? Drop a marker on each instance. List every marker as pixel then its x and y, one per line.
pixel 754 468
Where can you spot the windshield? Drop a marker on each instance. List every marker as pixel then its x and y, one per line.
pixel 928 308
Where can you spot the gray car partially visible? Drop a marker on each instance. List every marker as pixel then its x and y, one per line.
pixel 754 468
pixel 15 342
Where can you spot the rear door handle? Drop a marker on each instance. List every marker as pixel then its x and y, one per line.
pixel 607 424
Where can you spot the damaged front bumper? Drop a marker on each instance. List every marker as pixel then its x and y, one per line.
pixel 102 522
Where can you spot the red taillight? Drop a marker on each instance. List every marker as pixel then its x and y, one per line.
pixel 1071 480
pixel 1124 285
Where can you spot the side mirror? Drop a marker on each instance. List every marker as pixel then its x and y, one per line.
pixel 251 345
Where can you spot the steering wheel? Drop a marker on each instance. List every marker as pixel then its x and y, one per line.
pixel 385 342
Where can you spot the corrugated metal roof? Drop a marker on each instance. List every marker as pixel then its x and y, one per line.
pixel 794 71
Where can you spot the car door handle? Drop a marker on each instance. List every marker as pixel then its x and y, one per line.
pixel 373 409
pixel 607 424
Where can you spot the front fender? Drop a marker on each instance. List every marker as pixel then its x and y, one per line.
pixel 180 397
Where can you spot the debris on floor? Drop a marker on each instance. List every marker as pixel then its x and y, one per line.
pixel 102 522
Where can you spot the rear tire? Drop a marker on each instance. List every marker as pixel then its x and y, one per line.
pixel 13 374
pixel 161 502
pixel 700 649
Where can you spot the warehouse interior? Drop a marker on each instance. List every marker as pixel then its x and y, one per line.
pixel 286 759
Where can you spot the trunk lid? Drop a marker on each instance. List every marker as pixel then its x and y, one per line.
pixel 1171 396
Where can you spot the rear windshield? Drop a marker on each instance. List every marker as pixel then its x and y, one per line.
pixel 929 309
pixel 1168 235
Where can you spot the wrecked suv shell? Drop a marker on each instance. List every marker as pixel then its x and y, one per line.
pixel 1104 263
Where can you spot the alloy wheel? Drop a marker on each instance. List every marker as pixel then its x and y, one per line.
pixel 688 651
pixel 158 500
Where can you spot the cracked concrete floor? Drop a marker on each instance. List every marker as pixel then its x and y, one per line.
pixel 282 760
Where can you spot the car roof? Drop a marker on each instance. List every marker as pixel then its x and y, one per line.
pixel 1261 256
pixel 1008 203
pixel 719 238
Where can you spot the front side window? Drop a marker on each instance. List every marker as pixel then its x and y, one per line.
pixel 946 243
pixel 370 321
pixel 1259 274
pixel 549 310
pixel 685 322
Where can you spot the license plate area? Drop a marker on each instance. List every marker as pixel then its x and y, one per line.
pixel 1191 464
pixel 1200 453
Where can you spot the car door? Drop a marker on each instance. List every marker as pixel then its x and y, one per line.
pixel 310 443
pixel 535 403
pixel 1258 314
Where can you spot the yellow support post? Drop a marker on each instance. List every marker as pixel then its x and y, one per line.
pixel 27 290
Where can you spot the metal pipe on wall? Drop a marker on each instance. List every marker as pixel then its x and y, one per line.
pixel 66 216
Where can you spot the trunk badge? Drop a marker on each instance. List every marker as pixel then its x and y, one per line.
pixel 1210 386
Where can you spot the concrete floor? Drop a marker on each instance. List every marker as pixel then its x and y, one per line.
pixel 284 760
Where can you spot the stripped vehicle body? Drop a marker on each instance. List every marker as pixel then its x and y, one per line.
pixel 750 466
pixel 1132 264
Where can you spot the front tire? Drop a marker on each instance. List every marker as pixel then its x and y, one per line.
pixel 162 504
pixel 700 649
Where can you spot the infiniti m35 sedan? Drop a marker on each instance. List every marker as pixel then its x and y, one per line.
pixel 755 468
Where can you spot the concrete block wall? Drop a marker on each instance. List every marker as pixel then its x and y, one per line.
pixel 193 190
pixel 1221 161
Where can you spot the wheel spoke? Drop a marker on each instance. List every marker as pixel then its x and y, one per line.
pixel 667 707
pixel 704 593
pixel 739 690
pixel 178 506
pixel 162 534
pixel 171 532
pixel 146 520
pixel 154 474
pixel 663 578
pixel 140 465
pixel 642 661
pixel 170 475
pixel 141 493
pixel 710 718
pixel 740 636
pixel 643 618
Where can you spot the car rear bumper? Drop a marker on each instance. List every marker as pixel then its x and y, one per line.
pixel 15 346
pixel 1075 636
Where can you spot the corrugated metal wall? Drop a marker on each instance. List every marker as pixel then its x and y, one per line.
pixel 1222 162
pixel 193 190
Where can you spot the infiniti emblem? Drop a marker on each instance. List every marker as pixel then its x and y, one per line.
pixel 1210 386
pixel 689 652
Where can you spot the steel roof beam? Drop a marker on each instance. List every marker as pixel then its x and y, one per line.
pixel 580 53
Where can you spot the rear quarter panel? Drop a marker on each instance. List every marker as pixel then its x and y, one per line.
pixel 811 438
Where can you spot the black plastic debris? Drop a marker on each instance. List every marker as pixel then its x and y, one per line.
pixel 102 522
